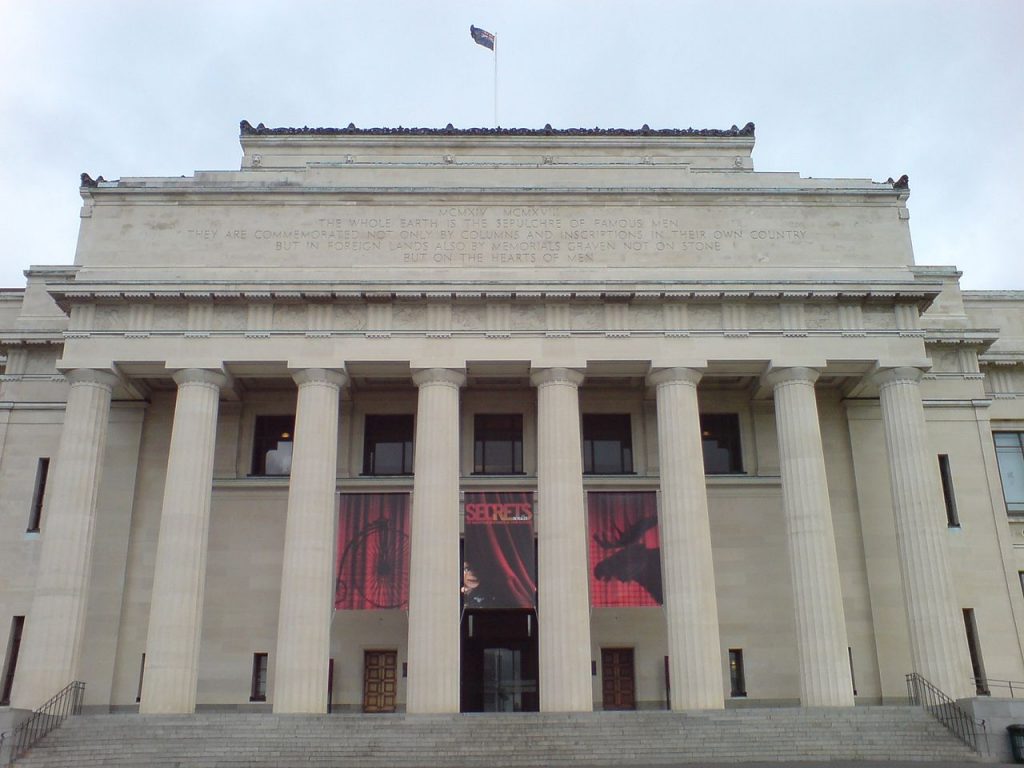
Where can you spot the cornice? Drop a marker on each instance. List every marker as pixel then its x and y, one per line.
pixel 233 292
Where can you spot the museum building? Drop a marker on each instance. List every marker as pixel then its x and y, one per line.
pixel 504 420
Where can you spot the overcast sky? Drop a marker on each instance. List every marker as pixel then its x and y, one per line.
pixel 837 89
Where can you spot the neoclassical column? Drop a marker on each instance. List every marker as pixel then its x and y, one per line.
pixel 814 566
pixel 434 576
pixel 304 618
pixel 684 530
pixel 938 644
pixel 52 643
pixel 179 577
pixel 563 589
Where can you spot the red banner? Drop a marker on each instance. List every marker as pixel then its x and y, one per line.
pixel 498 568
pixel 373 552
pixel 625 556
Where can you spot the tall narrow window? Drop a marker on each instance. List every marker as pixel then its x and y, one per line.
pixel 607 444
pixel 11 663
pixel 142 674
pixel 853 678
pixel 1010 456
pixel 272 445
pixel 952 519
pixel 498 444
pixel 1020 575
pixel 737 677
pixel 387 444
pixel 977 665
pixel 35 515
pixel 258 690
pixel 720 439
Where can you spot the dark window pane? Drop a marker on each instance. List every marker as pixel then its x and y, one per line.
pixel 272 445
pixel 720 438
pixel 607 444
pixel 946 473
pixel 498 444
pixel 737 677
pixel 387 447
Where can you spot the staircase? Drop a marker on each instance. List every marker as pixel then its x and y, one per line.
pixel 214 739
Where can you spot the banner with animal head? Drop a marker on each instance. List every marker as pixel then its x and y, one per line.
pixel 625 555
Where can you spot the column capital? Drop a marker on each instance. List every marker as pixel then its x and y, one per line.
pixel 675 376
pixel 556 376
pixel 904 374
pixel 92 376
pixel 776 376
pixel 200 376
pixel 333 377
pixel 448 376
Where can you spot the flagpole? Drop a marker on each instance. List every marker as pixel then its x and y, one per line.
pixel 495 81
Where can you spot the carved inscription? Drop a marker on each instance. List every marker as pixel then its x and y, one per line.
pixel 498 236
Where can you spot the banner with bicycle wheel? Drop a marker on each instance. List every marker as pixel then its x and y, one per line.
pixel 498 569
pixel 373 552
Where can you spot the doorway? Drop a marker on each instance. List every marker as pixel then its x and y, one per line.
pixel 380 680
pixel 499 661
pixel 618 678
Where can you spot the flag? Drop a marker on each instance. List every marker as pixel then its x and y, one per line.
pixel 482 37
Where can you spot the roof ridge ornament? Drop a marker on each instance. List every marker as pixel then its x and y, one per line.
pixel 246 129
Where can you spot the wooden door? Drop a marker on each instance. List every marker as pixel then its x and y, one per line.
pixel 380 680
pixel 618 680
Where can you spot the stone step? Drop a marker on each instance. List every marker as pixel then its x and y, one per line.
pixel 222 740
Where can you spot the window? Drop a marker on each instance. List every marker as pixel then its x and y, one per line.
pixel 853 678
pixel 607 444
pixel 258 691
pixel 720 438
pixel 737 679
pixel 35 516
pixel 13 646
pixel 1020 575
pixel 272 445
pixel 142 675
pixel 1010 455
pixel 952 519
pixel 974 647
pixel 498 444
pixel 387 445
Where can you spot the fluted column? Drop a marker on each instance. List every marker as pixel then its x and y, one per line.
pixel 179 577
pixel 684 530
pixel 52 642
pixel 938 644
pixel 304 619
pixel 563 586
pixel 433 684
pixel 810 539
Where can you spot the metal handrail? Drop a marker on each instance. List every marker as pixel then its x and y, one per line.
pixel 43 720
pixel 987 684
pixel 945 710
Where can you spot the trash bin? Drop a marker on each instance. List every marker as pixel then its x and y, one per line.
pixel 1017 741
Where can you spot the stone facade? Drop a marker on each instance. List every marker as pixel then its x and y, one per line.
pixel 342 274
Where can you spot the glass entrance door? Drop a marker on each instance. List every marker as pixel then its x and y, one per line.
pixel 499 661
pixel 503 674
